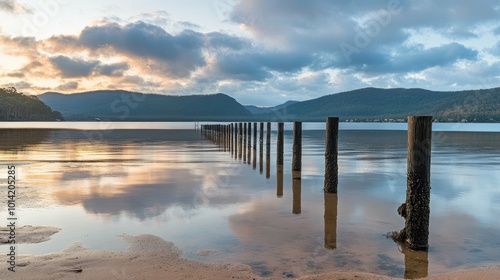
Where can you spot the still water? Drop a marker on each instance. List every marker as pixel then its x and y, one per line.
pixel 168 180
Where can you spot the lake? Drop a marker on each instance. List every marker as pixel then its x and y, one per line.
pixel 99 180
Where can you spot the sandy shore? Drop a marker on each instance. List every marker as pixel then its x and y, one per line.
pixel 150 257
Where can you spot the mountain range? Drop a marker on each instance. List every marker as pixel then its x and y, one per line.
pixel 367 104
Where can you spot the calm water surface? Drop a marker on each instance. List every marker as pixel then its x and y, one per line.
pixel 167 180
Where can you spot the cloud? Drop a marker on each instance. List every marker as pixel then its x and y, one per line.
pixel 68 86
pixel 218 41
pixel 379 31
pixel 73 67
pixel 112 70
pixel 16 75
pixel 495 50
pixel 418 59
pixel 496 31
pixel 12 6
pixel 177 55
pixel 76 67
pixel 285 49
pixel 18 85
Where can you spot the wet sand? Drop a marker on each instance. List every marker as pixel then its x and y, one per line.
pixel 29 234
pixel 150 257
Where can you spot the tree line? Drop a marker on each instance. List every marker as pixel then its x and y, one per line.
pixel 16 106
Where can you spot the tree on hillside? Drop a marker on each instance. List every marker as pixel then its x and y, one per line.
pixel 15 106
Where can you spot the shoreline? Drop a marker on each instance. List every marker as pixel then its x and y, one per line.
pixel 151 257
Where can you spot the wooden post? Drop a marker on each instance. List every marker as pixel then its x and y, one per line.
pixel 331 202
pixel 416 209
pixel 244 142
pixel 254 161
pixel 255 134
pixel 296 192
pixel 231 135
pixel 297 147
pixel 224 136
pixel 235 140
pixel 249 155
pixel 331 152
pixel 240 139
pixel 268 151
pixel 261 148
pixel 280 143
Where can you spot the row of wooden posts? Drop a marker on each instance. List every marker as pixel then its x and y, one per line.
pixel 415 210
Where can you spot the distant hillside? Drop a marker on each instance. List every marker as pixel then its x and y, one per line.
pixel 131 106
pixel 15 106
pixel 379 104
pixel 267 110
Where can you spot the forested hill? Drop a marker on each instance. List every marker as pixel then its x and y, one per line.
pixel 131 106
pixel 370 104
pixel 15 106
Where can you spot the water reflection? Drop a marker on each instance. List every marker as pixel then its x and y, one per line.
pixel 279 181
pixel 331 202
pixel 416 263
pixel 175 185
pixel 261 157
pixel 297 192
pixel 19 139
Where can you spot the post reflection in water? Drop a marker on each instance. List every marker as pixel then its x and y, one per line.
pixel 279 181
pixel 254 159
pixel 331 202
pixel 296 192
pixel 268 165
pixel 416 263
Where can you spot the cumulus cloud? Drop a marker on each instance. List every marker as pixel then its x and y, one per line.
pixel 286 49
pixel 176 55
pixel 495 50
pixel 68 86
pixel 112 70
pixel 416 59
pixel 496 30
pixel 77 67
pixel 376 33
pixel 73 67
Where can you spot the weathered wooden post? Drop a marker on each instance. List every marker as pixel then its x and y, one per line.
pixel 296 192
pixel 331 152
pixel 416 209
pixel 261 148
pixel 254 161
pixel 297 147
pixel 231 143
pixel 249 155
pixel 224 136
pixel 255 134
pixel 240 139
pixel 280 144
pixel 268 151
pixel 331 202
pixel 235 140
pixel 244 142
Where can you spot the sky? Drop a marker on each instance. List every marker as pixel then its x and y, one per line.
pixel 260 52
